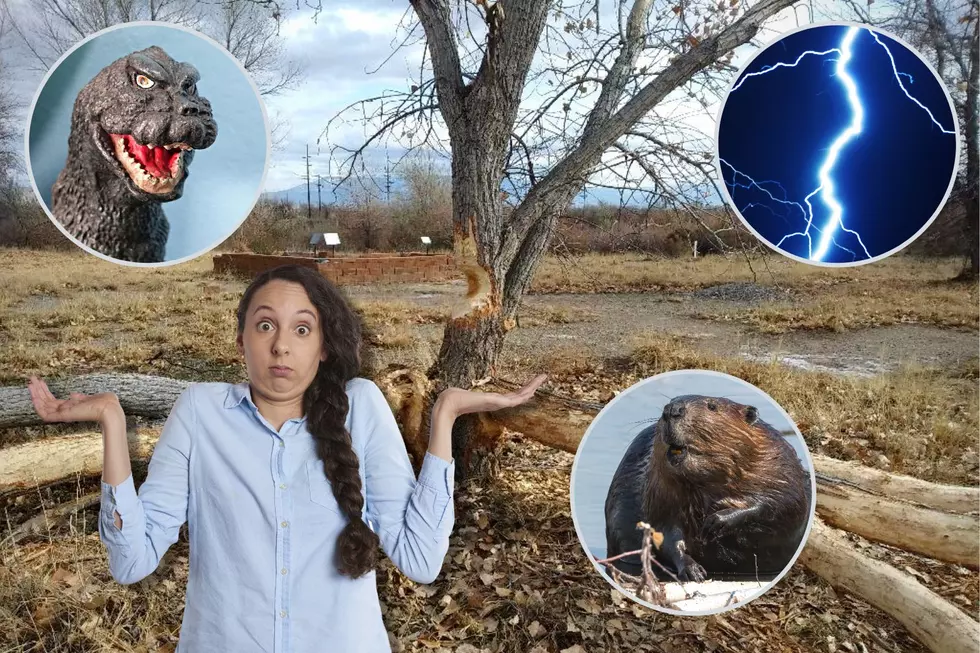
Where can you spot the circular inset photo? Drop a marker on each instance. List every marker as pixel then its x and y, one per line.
pixel 692 492
pixel 838 145
pixel 147 143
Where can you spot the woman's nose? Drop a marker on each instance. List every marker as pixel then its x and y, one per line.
pixel 280 346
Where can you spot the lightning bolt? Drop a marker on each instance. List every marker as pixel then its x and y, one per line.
pixel 826 187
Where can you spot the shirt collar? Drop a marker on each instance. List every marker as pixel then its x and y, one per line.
pixel 240 392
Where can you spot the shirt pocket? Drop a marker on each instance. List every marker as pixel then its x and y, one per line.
pixel 321 491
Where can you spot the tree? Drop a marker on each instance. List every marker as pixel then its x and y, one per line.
pixel 947 33
pixel 606 88
pixel 247 30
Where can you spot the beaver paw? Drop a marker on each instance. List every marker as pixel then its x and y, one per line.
pixel 692 571
pixel 715 525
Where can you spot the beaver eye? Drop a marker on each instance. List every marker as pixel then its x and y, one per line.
pixel 712 405
pixel 144 82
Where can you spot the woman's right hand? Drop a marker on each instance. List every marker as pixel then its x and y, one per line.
pixel 77 408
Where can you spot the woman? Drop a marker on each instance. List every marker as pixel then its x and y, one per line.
pixel 288 482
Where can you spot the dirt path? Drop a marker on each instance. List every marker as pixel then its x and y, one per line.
pixel 605 323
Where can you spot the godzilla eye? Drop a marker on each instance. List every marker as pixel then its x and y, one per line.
pixel 144 82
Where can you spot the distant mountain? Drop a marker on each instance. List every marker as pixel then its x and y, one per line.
pixel 353 188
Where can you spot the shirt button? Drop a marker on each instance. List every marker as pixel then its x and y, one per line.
pixel 282 444
pixel 282 486
pixel 282 613
pixel 284 524
pixel 284 570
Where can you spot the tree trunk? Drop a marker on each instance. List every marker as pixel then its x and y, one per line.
pixel 935 534
pixel 972 186
pixel 947 498
pixel 42 462
pixel 931 619
pixel 139 394
pixel 480 111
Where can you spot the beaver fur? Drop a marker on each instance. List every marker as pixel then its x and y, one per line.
pixel 724 488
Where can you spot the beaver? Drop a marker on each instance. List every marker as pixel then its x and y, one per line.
pixel 723 487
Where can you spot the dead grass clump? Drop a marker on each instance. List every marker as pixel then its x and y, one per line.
pixel 923 421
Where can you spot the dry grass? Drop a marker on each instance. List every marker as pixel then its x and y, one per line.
pixel 899 289
pixel 515 578
pixel 923 421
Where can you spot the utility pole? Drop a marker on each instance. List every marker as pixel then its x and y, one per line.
pixel 309 203
pixel 319 204
pixel 387 178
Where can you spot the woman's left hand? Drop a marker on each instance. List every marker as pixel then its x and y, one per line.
pixel 461 402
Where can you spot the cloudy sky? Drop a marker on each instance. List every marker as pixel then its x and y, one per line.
pixel 347 53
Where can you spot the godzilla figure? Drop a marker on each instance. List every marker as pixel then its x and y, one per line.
pixel 134 129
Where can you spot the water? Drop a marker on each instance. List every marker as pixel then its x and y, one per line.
pixel 614 428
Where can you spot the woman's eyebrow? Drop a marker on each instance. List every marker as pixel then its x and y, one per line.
pixel 302 310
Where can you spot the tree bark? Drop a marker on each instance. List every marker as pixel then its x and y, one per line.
pixel 42 462
pixel 499 256
pixel 938 535
pixel 972 185
pixel 931 619
pixel 947 498
pixel 139 394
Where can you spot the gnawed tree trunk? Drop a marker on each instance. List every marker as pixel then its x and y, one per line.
pixel 931 619
pixel 499 255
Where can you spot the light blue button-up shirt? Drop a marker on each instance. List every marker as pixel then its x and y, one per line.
pixel 263 523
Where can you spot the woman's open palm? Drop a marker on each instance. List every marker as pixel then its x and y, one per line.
pixel 77 408
pixel 469 401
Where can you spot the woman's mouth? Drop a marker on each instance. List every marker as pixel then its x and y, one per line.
pixel 281 370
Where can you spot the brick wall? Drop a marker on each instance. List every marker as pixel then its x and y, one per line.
pixel 387 268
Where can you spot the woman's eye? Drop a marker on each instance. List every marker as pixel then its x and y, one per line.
pixel 303 330
pixel 144 82
pixel 265 326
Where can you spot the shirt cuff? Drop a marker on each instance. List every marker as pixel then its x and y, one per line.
pixel 438 473
pixel 122 497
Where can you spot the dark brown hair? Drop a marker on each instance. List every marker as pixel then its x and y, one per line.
pixel 325 405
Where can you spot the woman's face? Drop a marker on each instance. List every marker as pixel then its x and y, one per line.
pixel 281 341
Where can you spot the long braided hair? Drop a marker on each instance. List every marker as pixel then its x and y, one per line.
pixel 325 406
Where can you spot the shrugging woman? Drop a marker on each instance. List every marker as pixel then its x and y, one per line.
pixel 288 482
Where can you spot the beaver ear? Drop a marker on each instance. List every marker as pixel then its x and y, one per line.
pixel 751 414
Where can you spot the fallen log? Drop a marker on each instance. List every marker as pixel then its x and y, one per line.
pixel 47 461
pixel 930 618
pixel 50 518
pixel 948 498
pixel 139 394
pixel 938 535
